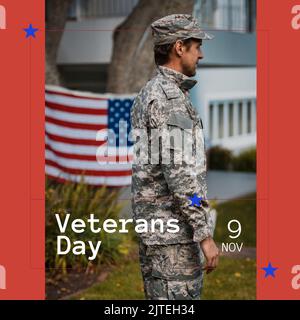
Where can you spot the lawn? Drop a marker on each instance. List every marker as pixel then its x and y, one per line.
pixel 235 278
pixel 242 210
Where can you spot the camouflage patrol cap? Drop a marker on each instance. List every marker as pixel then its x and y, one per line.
pixel 177 27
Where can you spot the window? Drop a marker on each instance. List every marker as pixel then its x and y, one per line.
pixel 240 114
pixel 221 120
pixel 230 119
pixel 211 110
pixel 229 15
pixel 249 120
pixel 83 9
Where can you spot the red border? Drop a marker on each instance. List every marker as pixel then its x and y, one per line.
pixel 22 161
pixel 278 173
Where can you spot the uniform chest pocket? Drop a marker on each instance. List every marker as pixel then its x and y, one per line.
pixel 180 132
pixel 180 121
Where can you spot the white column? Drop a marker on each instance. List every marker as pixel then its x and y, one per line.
pixel 244 117
pixel 226 120
pixel 253 116
pixel 215 121
pixel 235 119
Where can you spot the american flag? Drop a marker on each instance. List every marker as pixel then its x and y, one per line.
pixel 79 127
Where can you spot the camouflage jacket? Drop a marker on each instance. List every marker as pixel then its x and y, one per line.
pixel 162 190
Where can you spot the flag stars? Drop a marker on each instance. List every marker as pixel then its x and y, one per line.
pixel 119 118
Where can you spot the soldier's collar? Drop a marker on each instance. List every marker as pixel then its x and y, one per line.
pixel 183 81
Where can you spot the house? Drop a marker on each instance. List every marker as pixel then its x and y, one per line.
pixel 226 92
pixel 83 55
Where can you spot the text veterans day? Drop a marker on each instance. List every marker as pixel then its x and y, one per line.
pixel 65 245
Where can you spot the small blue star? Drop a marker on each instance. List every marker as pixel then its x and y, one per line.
pixel 269 270
pixel 195 200
pixel 30 31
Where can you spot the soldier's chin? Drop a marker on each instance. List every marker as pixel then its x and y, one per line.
pixel 192 73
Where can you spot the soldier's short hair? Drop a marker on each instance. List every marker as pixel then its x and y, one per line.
pixel 162 51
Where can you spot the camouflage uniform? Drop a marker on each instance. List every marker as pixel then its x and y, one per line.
pixel 170 262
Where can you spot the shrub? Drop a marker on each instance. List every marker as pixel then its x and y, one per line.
pixel 219 158
pixel 80 200
pixel 245 161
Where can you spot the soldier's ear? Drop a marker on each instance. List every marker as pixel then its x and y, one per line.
pixel 178 46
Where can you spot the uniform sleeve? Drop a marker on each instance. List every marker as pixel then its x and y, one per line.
pixel 183 182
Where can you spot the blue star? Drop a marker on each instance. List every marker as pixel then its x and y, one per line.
pixel 269 270
pixel 195 200
pixel 30 31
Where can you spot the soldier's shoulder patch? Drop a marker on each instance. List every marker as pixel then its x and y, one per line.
pixel 170 89
pixel 153 91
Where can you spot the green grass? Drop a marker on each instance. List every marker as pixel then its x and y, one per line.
pixel 234 279
pixel 242 210
pixel 125 282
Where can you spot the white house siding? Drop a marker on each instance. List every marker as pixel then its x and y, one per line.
pixel 230 93
pixel 88 41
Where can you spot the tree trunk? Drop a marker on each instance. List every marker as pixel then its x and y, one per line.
pixel 132 61
pixel 57 15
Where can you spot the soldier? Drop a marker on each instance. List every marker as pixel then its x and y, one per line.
pixel 171 263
